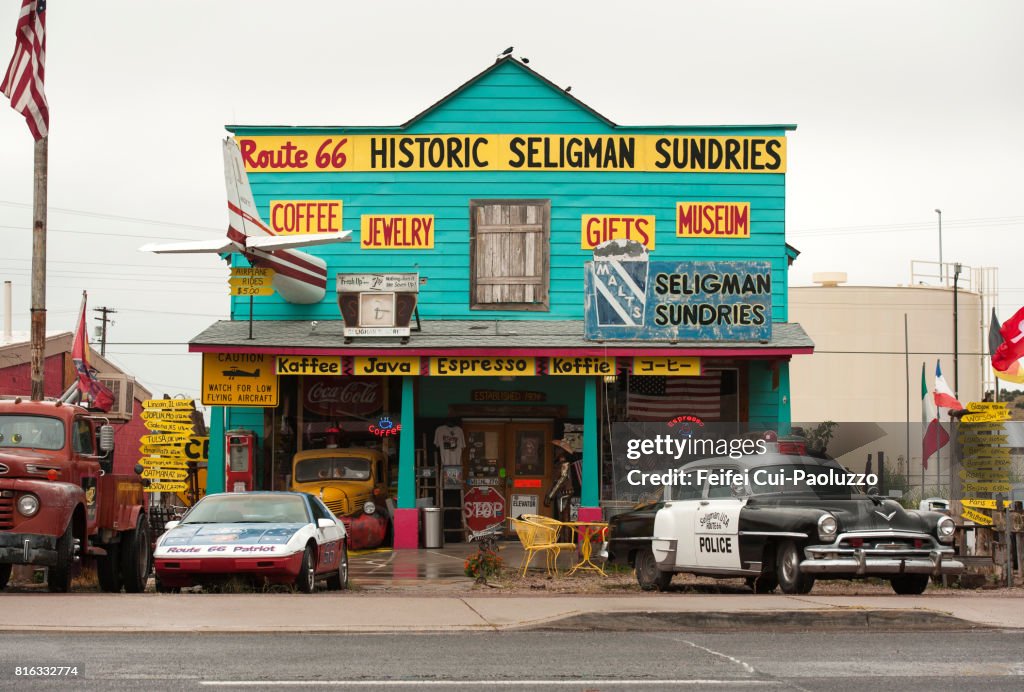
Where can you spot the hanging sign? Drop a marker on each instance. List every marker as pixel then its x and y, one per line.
pixel 239 379
pixel 307 365
pixel 680 366
pixel 463 366
pixel 251 281
pixel 386 365
pixel 582 365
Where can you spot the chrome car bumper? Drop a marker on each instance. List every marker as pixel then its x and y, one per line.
pixel 861 563
pixel 28 549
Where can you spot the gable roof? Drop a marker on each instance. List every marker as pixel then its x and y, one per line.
pixel 507 60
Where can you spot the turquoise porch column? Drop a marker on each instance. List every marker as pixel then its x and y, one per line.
pixel 591 491
pixel 407 448
pixel 215 460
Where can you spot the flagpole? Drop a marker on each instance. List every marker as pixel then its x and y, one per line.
pixel 38 330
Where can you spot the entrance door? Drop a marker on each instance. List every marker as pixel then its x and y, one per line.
pixel 513 458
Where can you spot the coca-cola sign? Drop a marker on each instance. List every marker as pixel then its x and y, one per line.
pixel 337 397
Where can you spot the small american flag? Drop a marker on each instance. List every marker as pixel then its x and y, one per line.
pixel 655 398
pixel 23 83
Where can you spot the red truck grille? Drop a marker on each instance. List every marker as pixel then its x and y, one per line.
pixel 6 513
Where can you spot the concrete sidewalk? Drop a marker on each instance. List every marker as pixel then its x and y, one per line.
pixel 355 612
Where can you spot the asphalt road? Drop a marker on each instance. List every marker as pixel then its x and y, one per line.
pixel 988 660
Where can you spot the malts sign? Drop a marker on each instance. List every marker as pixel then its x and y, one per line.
pixel 514 152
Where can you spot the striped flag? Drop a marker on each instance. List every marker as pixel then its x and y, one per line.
pixel 655 398
pixel 944 397
pixel 88 384
pixel 935 437
pixel 23 83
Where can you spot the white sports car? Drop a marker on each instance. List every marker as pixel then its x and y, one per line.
pixel 276 537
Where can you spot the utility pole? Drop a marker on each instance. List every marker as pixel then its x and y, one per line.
pixel 103 330
pixel 38 326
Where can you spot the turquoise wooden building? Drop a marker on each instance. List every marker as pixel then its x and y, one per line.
pixel 482 214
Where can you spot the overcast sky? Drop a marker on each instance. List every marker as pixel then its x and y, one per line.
pixel 901 107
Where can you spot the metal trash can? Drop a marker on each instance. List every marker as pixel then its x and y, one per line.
pixel 433 534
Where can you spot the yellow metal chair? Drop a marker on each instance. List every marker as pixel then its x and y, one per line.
pixel 537 538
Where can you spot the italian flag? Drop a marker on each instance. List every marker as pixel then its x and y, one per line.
pixel 935 437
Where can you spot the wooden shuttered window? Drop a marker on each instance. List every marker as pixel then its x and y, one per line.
pixel 510 254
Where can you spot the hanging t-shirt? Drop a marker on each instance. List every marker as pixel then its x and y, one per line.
pixel 449 439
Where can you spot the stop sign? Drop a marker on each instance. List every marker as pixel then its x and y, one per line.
pixel 482 507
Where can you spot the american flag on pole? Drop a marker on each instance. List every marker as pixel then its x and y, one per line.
pixel 656 398
pixel 23 83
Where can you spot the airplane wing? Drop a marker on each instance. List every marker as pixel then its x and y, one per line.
pixel 192 246
pixel 281 242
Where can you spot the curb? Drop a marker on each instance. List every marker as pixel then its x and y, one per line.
pixel 831 619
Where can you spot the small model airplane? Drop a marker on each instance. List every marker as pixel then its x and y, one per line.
pixel 299 276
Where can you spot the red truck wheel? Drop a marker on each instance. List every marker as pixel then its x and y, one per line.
pixel 108 569
pixel 135 557
pixel 58 579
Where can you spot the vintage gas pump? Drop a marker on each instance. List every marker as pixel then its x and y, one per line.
pixel 239 457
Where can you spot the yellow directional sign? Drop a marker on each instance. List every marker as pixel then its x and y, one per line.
pixel 169 450
pixel 968 427
pixel 978 406
pixel 267 290
pixel 182 414
pixel 255 272
pixel 980 475
pixel 168 404
pixel 168 487
pixel 986 417
pixel 986 487
pixel 163 462
pixel 990 452
pixel 239 379
pixel 164 439
pixel 973 438
pixel 251 281
pixel 977 517
pixel 979 504
pixel 169 426
pixel 166 474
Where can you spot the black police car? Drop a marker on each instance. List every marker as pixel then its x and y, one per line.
pixel 779 519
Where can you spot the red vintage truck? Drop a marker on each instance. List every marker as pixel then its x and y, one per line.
pixel 59 501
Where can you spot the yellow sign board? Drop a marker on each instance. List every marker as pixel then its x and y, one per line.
pixel 165 474
pixel 973 438
pixel 167 450
pixel 181 414
pixel 597 228
pixel 477 366
pixel 979 504
pixel 582 365
pixel 166 487
pixel 251 281
pixel 1000 464
pixel 667 365
pixel 988 426
pixel 307 365
pixel 977 517
pixel 514 152
pixel 989 452
pixel 151 404
pixel 239 379
pixel 986 487
pixel 985 475
pixel 386 365
pixel 987 416
pixel 164 462
pixel 396 232
pixel 303 216
pixel 979 406
pixel 168 426
pixel 164 439
pixel 713 220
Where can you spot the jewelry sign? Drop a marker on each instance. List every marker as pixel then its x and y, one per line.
pixel 377 304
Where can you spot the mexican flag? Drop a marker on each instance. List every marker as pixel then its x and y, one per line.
pixel 935 437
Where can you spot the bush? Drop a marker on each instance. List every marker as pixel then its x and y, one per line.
pixel 483 565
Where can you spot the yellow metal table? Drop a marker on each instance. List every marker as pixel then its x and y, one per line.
pixel 585 532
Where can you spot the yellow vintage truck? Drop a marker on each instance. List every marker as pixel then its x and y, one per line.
pixel 353 483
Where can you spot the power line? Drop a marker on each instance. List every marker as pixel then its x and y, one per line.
pixel 100 215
